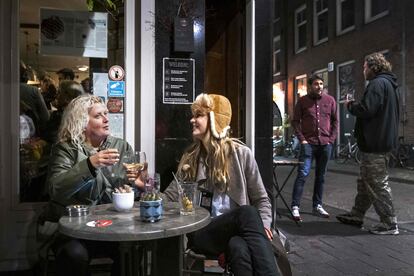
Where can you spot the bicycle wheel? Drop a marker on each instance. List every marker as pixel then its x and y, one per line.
pixel 403 155
pixel 341 153
pixel 357 155
pixel 393 159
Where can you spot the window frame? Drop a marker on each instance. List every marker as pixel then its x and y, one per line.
pixel 276 52
pixel 339 30
pixel 316 14
pixel 296 26
pixel 322 71
pixel 368 16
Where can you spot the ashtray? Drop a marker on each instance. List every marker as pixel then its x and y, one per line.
pixel 77 210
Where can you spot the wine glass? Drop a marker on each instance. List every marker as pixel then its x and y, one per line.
pixel 134 163
pixel 141 160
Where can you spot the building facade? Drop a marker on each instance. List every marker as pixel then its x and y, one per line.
pixel 332 38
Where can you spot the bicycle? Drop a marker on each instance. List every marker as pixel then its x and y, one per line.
pixel 292 147
pixel 344 152
pixel 399 157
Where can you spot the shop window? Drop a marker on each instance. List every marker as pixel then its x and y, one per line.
pixel 375 9
pixel 320 21
pixel 65 51
pixel 345 20
pixel 301 88
pixel 346 86
pixel 300 29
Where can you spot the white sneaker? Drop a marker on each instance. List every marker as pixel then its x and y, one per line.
pixel 320 212
pixel 295 213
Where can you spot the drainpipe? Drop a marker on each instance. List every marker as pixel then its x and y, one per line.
pixel 404 69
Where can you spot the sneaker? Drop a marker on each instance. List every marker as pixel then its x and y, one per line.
pixel 349 218
pixel 295 213
pixel 320 212
pixel 385 229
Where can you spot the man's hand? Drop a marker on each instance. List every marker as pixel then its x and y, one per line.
pixel 269 233
pixel 304 142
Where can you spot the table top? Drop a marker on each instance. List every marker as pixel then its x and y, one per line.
pixel 127 225
pixel 286 162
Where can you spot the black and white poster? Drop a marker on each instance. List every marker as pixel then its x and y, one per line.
pixel 178 81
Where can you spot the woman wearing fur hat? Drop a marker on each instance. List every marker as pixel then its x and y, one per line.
pixel 240 207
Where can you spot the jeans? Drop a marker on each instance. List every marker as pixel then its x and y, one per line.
pixel 240 235
pixel 308 152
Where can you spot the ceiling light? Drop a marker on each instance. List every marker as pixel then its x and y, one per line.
pixel 83 68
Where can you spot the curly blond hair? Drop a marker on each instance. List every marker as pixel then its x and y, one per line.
pixel 75 119
pixel 377 63
pixel 215 156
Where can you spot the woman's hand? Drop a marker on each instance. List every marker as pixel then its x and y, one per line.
pixel 104 158
pixel 137 175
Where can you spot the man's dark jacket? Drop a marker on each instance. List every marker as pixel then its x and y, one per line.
pixel 376 127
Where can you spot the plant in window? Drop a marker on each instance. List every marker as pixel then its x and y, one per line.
pixel 111 6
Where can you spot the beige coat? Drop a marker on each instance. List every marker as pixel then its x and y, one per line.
pixel 245 183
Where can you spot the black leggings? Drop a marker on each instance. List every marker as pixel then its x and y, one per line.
pixel 240 235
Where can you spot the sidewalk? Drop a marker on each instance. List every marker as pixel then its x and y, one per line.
pixel 396 174
pixel 326 247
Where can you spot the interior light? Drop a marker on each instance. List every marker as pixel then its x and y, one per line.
pixel 83 68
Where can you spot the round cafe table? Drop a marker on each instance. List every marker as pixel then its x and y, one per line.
pixel 146 248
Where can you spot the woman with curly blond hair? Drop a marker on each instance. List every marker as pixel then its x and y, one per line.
pixel 79 174
pixel 239 205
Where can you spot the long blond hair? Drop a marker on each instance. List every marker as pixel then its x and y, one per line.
pixel 75 119
pixel 215 156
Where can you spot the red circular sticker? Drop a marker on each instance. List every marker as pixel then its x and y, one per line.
pixel 99 223
pixel 114 105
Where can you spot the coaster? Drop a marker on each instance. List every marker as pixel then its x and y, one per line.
pixel 99 223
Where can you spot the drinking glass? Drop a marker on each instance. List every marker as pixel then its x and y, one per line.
pixel 141 160
pixel 129 164
pixel 153 182
pixel 187 197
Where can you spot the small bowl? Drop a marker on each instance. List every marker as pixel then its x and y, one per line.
pixel 77 210
pixel 123 201
pixel 150 211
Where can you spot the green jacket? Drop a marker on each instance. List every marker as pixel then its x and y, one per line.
pixel 71 181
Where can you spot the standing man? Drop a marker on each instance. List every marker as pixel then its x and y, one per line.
pixel 315 123
pixel 376 131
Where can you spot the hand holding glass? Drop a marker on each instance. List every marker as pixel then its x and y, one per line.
pixel 135 165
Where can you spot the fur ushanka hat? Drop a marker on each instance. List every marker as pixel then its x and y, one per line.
pixel 218 108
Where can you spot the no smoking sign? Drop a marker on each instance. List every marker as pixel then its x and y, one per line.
pixel 116 73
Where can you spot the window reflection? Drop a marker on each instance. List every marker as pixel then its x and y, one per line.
pixel 54 70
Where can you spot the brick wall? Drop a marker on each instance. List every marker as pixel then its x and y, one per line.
pixel 385 33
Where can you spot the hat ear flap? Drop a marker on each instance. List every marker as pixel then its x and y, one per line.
pixel 213 125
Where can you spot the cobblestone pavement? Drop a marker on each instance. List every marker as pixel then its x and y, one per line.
pixel 326 247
